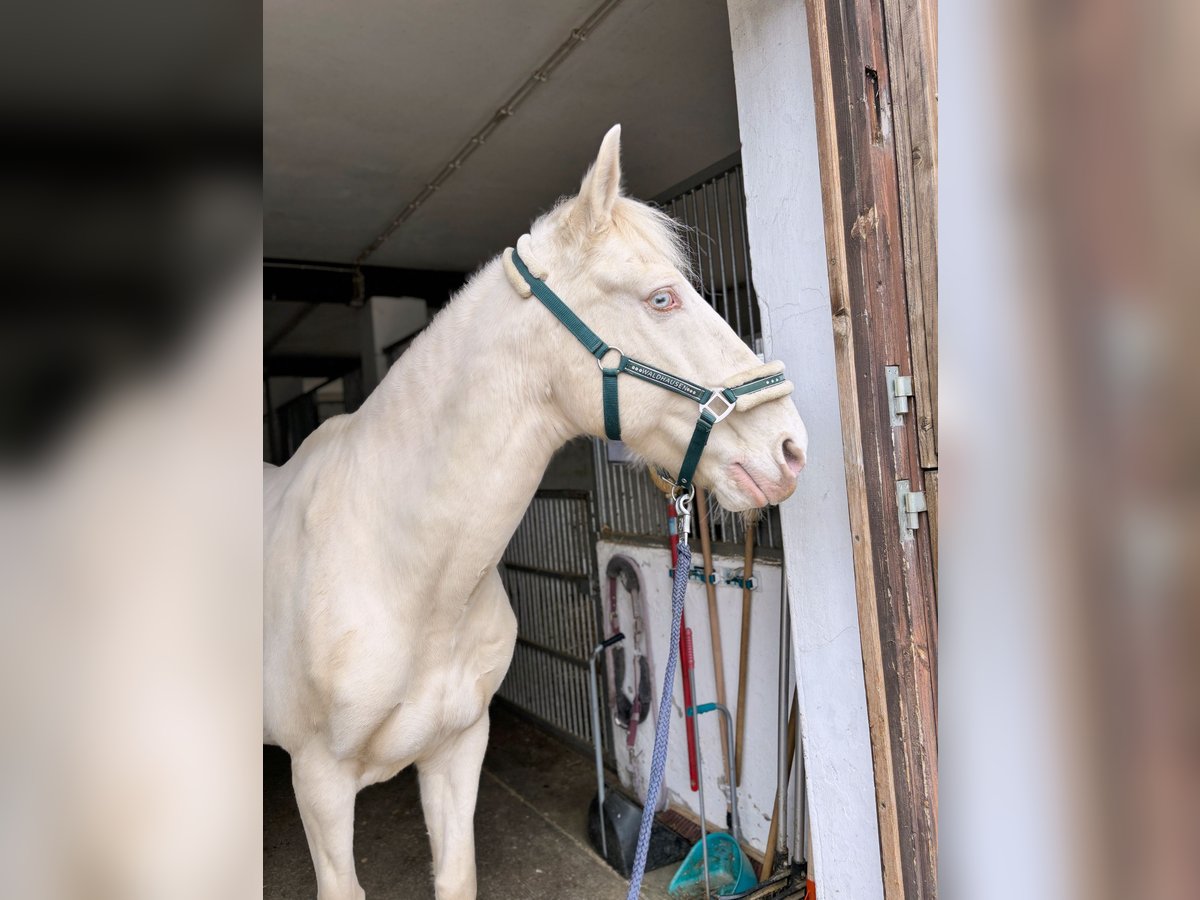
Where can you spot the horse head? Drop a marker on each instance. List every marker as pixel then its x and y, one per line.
pixel 622 267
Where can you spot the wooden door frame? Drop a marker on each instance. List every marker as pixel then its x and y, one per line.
pixel 874 84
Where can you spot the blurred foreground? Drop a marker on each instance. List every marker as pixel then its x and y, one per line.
pixel 130 511
pixel 130 436
pixel 1070 218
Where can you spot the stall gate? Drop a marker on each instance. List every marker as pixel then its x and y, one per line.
pixel 549 570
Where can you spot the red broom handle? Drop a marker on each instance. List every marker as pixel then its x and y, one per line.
pixel 685 656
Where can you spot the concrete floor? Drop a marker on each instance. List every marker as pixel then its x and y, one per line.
pixel 530 824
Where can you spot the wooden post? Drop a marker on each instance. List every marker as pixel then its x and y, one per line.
pixel 876 194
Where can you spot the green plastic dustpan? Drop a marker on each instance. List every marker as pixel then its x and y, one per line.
pixel 729 870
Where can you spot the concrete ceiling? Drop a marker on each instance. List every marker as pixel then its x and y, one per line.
pixel 366 100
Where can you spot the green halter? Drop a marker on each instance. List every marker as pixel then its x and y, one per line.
pixel 715 403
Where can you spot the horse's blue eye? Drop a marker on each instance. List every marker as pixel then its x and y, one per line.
pixel 661 301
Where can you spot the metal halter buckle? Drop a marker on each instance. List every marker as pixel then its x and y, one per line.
pixel 718 416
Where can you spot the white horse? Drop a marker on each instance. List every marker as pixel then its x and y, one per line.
pixel 386 627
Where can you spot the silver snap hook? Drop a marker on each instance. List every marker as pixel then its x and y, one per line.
pixel 683 510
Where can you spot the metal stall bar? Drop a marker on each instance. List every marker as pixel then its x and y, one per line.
pixel 549 572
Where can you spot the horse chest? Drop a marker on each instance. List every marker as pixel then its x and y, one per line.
pixel 454 675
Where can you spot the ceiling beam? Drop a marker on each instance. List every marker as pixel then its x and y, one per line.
pixel 310 366
pixel 310 281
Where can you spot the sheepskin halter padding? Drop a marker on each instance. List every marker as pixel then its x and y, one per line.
pixel 525 248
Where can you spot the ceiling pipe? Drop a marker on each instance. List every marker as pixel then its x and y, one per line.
pixel 312 267
pixel 506 111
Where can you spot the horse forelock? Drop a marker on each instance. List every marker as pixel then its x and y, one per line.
pixel 648 229
pixel 647 226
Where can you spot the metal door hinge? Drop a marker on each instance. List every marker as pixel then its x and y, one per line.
pixel 909 504
pixel 899 389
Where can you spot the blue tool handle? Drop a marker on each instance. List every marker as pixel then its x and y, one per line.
pixel 702 708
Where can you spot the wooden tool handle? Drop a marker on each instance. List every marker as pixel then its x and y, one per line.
pixel 744 652
pixel 773 832
pixel 714 621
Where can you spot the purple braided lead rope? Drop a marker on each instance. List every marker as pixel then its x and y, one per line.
pixel 662 725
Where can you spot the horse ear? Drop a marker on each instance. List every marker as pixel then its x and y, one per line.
pixel 602 184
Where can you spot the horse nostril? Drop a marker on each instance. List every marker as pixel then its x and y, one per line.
pixel 793 456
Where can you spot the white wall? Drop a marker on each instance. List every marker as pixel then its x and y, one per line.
pixel 757 795
pixel 783 194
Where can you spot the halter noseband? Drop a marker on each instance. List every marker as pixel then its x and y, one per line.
pixel 715 403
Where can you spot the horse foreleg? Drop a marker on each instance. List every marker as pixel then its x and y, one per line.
pixel 325 789
pixel 449 787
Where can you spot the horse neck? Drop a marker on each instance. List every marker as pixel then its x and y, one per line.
pixel 461 429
